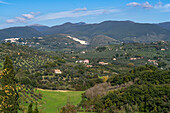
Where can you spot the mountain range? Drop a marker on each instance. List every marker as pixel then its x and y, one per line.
pixel 39 27
pixel 165 25
pixel 104 32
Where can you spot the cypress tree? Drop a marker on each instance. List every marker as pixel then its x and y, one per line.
pixel 30 108
pixel 8 93
pixel 36 109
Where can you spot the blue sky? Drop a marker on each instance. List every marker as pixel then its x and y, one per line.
pixel 55 12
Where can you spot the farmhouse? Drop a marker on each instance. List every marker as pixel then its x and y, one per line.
pixel 86 61
pixel 154 61
pixel 40 38
pixel 162 49
pixel 57 71
pixel 83 52
pixel 73 57
pixel 80 61
pixel 114 58
pixel 89 65
pixel 103 63
pixel 133 58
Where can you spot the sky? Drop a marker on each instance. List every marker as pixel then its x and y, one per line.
pixel 56 12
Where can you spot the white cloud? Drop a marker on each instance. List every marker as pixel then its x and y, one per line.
pixel 35 13
pixel 80 9
pixel 16 20
pixel 162 7
pixel 2 2
pixel 133 4
pixel 29 16
pixel 23 19
pixel 158 5
pixel 74 13
pixel 11 21
pixel 80 12
pixel 145 5
pixel 20 20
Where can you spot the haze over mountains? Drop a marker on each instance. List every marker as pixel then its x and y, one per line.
pixel 126 31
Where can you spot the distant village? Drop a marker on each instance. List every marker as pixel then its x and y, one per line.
pixel 85 61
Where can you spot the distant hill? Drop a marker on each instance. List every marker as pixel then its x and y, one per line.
pixel 98 34
pixel 80 23
pixel 18 32
pixel 101 40
pixel 126 31
pixel 165 25
pixel 58 42
pixel 39 27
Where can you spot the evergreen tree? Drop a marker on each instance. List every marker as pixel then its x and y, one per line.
pixel 8 93
pixel 36 109
pixel 30 108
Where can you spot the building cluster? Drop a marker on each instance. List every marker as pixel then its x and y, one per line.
pixel 155 62
pixel 86 61
pixel 57 71
pixel 12 40
pixel 136 58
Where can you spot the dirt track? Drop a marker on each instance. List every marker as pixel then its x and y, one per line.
pixel 53 90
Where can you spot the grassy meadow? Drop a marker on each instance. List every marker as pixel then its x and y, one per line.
pixel 52 101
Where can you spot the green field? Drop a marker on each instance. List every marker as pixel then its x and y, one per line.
pixel 53 101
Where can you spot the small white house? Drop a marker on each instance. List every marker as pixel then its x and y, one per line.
pixel 152 61
pixel 57 71
pixel 114 58
pixel 103 63
pixel 162 49
pixel 86 61
pixel 133 58
pixel 89 65
pixel 83 52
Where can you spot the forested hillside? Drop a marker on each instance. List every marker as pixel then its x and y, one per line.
pixel 165 25
pixel 127 31
pixel 111 31
pixel 39 27
pixel 18 32
pixel 149 91
pixel 112 81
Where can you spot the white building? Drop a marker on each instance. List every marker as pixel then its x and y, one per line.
pixel 57 71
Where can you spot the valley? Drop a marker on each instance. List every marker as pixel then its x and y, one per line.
pixel 84 56
pixel 63 75
pixel 98 71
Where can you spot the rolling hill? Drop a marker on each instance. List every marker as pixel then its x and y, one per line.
pixel 99 34
pixel 165 25
pixel 126 31
pixel 39 27
pixel 18 32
